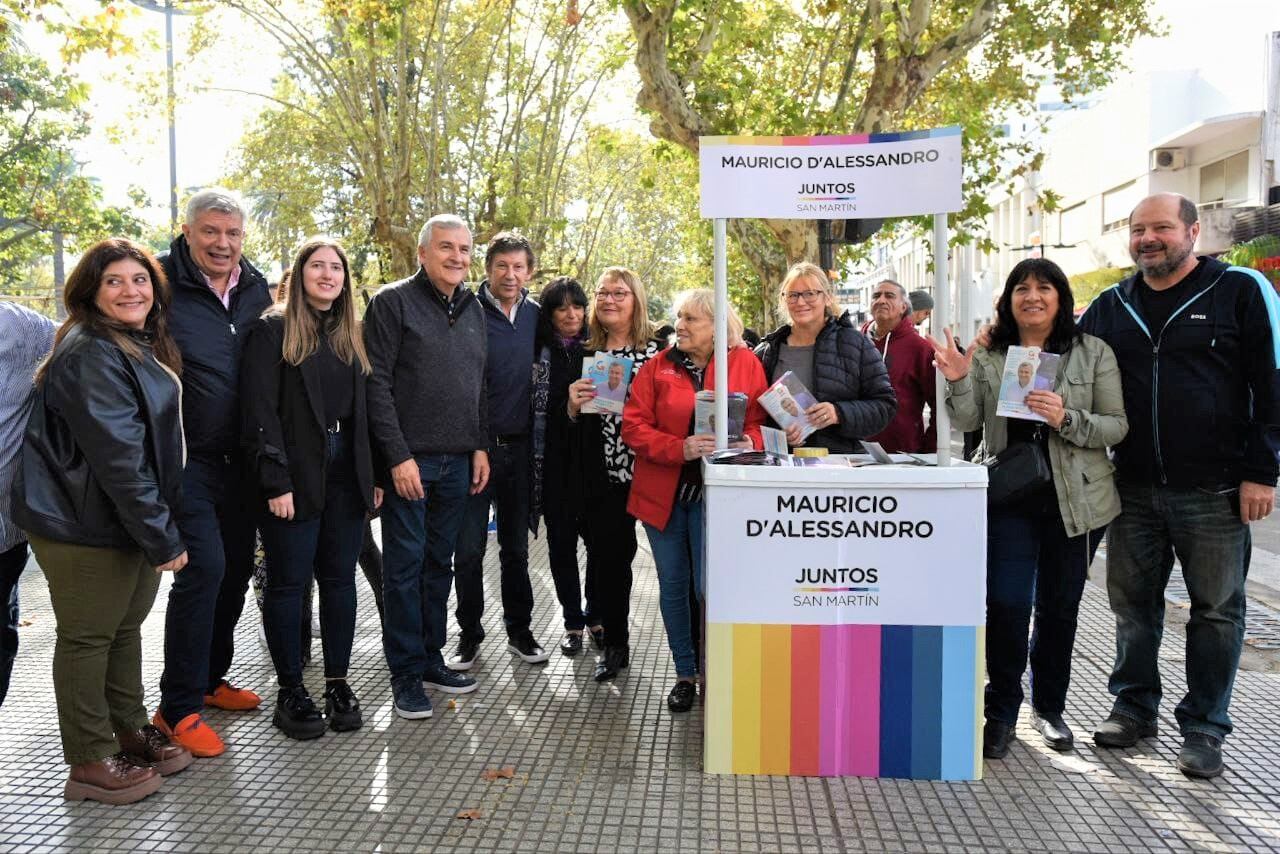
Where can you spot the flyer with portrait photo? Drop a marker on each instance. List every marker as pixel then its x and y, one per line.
pixel 1026 369
pixel 786 401
pixel 704 414
pixel 612 376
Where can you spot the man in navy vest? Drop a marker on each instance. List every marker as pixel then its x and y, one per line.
pixel 511 318
pixel 1198 344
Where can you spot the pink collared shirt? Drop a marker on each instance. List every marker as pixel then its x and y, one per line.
pixel 232 281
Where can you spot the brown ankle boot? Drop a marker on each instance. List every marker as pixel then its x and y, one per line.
pixel 149 746
pixel 114 780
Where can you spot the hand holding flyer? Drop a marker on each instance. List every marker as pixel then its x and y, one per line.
pixel 1026 369
pixel 612 377
pixel 786 402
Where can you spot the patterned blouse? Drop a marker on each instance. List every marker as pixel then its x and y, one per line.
pixel 618 458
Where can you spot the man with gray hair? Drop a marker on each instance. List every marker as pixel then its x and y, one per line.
pixel 216 293
pixel 426 340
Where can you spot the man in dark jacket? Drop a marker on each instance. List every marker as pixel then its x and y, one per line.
pixel 511 319
pixel 909 358
pixel 216 295
pixel 1198 345
pixel 425 336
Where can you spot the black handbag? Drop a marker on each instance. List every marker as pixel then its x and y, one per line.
pixel 1017 472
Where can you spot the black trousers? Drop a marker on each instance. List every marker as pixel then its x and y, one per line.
pixel 610 534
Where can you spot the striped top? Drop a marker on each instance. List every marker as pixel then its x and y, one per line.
pixel 25 339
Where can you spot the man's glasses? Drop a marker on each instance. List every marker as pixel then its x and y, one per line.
pixel 808 296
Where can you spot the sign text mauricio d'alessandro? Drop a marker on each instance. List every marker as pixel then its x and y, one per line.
pixel 836 516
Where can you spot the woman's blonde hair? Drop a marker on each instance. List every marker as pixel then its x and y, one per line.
pixel 641 328
pixel 704 300
pixel 302 322
pixel 806 270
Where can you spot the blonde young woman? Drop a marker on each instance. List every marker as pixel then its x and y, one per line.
pixel 618 325
pixel 306 435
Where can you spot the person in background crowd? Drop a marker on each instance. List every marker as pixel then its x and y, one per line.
pixel 1198 344
pixel 619 326
pixel 556 494
pixel 306 435
pixel 100 474
pixel 921 306
pixel 25 339
pixel 657 425
pixel 216 295
pixel 909 359
pixel 832 359
pixel 425 337
pixel 1039 550
pixel 511 318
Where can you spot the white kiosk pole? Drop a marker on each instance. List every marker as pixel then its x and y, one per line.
pixel 722 337
pixel 942 320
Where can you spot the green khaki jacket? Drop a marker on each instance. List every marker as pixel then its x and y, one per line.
pixel 1089 383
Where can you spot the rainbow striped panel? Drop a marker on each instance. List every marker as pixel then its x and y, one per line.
pixel 852 700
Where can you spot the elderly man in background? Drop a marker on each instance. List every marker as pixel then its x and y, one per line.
pixel 909 359
pixel 216 293
pixel 921 306
pixel 25 339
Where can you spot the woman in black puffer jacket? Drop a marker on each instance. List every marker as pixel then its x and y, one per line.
pixel 832 359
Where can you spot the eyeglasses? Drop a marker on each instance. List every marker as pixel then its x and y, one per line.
pixel 808 296
pixel 615 296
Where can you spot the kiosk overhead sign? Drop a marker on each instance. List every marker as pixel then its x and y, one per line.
pixel 831 177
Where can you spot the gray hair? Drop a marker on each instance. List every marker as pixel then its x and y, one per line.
pixel 445 221
pixel 218 199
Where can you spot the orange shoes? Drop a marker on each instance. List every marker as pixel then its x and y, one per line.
pixel 193 734
pixel 229 697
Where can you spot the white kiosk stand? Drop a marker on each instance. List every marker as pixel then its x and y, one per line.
pixel 845 607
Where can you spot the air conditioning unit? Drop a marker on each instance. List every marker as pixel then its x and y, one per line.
pixel 1168 159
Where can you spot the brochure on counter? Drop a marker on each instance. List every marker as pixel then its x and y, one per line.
pixel 612 376
pixel 1026 369
pixel 704 415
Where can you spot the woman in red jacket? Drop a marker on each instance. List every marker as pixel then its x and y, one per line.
pixel 666 493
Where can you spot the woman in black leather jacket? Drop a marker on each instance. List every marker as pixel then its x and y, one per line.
pixel 306 435
pixel 832 359
pixel 101 473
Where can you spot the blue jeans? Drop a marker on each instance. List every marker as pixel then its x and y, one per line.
pixel 12 562
pixel 678 553
pixel 418 538
pixel 508 493
pixel 207 596
pixel 329 546
pixel 1204 530
pixel 1032 565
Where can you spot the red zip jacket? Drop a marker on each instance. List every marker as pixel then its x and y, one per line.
pixel 909 358
pixel 656 422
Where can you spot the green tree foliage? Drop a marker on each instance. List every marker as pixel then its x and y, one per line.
pixel 775 67
pixel 42 188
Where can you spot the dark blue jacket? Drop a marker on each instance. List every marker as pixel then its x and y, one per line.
pixel 211 338
pixel 1203 393
pixel 509 368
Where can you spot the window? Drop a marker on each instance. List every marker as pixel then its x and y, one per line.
pixel 1072 224
pixel 1117 205
pixel 1225 182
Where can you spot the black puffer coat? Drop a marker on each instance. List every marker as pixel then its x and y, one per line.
pixel 847 372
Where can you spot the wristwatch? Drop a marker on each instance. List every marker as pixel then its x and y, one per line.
pixel 1066 420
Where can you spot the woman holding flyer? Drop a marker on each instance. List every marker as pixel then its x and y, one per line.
pixel 619 327
pixel 1039 547
pixel 828 356
pixel 667 495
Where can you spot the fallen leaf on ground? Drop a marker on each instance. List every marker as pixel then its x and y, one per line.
pixel 469 815
pixel 24 623
pixel 506 772
pixel 453 705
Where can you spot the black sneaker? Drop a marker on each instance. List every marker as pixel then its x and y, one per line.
pixel 1201 755
pixel 296 714
pixel 443 679
pixel 996 738
pixel 682 695
pixel 571 644
pixel 410 701
pixel 468 652
pixel 341 707
pixel 527 648
pixel 1120 731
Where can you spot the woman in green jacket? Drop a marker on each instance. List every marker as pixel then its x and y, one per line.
pixel 1039 547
